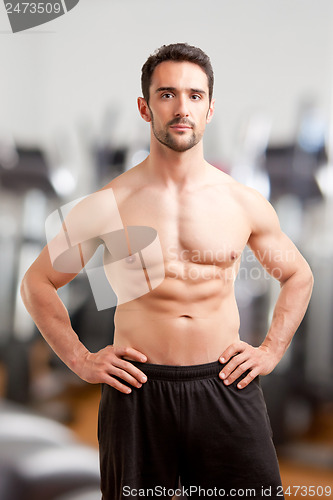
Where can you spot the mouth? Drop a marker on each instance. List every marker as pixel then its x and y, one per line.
pixel 180 127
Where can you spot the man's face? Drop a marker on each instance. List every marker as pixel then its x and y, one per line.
pixel 179 104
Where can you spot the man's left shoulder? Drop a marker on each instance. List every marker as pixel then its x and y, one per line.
pixel 220 179
pixel 259 211
pixel 246 196
pixel 249 197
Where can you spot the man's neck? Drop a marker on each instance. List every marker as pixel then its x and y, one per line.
pixel 177 170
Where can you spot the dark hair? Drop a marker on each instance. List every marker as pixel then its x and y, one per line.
pixel 177 52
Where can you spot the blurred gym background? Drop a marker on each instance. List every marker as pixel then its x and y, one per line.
pixel 69 124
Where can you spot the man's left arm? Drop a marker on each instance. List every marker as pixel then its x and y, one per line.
pixel 280 257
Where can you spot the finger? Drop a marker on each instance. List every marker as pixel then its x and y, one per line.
pixel 248 379
pixel 135 378
pixel 233 349
pixel 130 353
pixel 128 368
pixel 232 365
pixel 238 372
pixel 117 385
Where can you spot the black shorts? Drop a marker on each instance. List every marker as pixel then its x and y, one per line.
pixel 184 424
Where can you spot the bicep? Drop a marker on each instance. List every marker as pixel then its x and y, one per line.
pixel 271 246
pixel 276 253
pixel 59 263
pixel 42 271
pixel 77 239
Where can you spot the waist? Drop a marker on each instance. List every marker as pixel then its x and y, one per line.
pixel 183 372
pixel 179 342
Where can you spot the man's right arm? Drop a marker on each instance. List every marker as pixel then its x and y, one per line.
pixel 39 293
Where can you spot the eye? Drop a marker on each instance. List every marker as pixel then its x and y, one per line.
pixel 167 95
pixel 196 97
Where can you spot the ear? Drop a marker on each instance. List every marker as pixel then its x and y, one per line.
pixel 210 111
pixel 144 109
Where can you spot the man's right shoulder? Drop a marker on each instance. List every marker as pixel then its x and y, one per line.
pixel 98 213
pixel 126 183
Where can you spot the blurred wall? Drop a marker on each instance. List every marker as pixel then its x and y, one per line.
pixel 267 55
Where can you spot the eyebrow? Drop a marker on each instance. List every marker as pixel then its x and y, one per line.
pixel 172 89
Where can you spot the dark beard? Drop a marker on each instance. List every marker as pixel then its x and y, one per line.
pixel 165 138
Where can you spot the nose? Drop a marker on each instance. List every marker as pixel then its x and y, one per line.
pixel 182 107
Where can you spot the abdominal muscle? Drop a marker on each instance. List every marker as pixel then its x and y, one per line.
pixel 180 322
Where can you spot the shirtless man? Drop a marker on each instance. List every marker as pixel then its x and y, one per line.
pixel 181 396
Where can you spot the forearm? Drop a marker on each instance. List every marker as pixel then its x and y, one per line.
pixel 289 311
pixel 51 317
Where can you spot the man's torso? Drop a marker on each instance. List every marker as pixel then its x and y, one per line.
pixel 192 316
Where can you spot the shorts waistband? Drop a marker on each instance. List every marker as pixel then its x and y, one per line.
pixel 176 372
